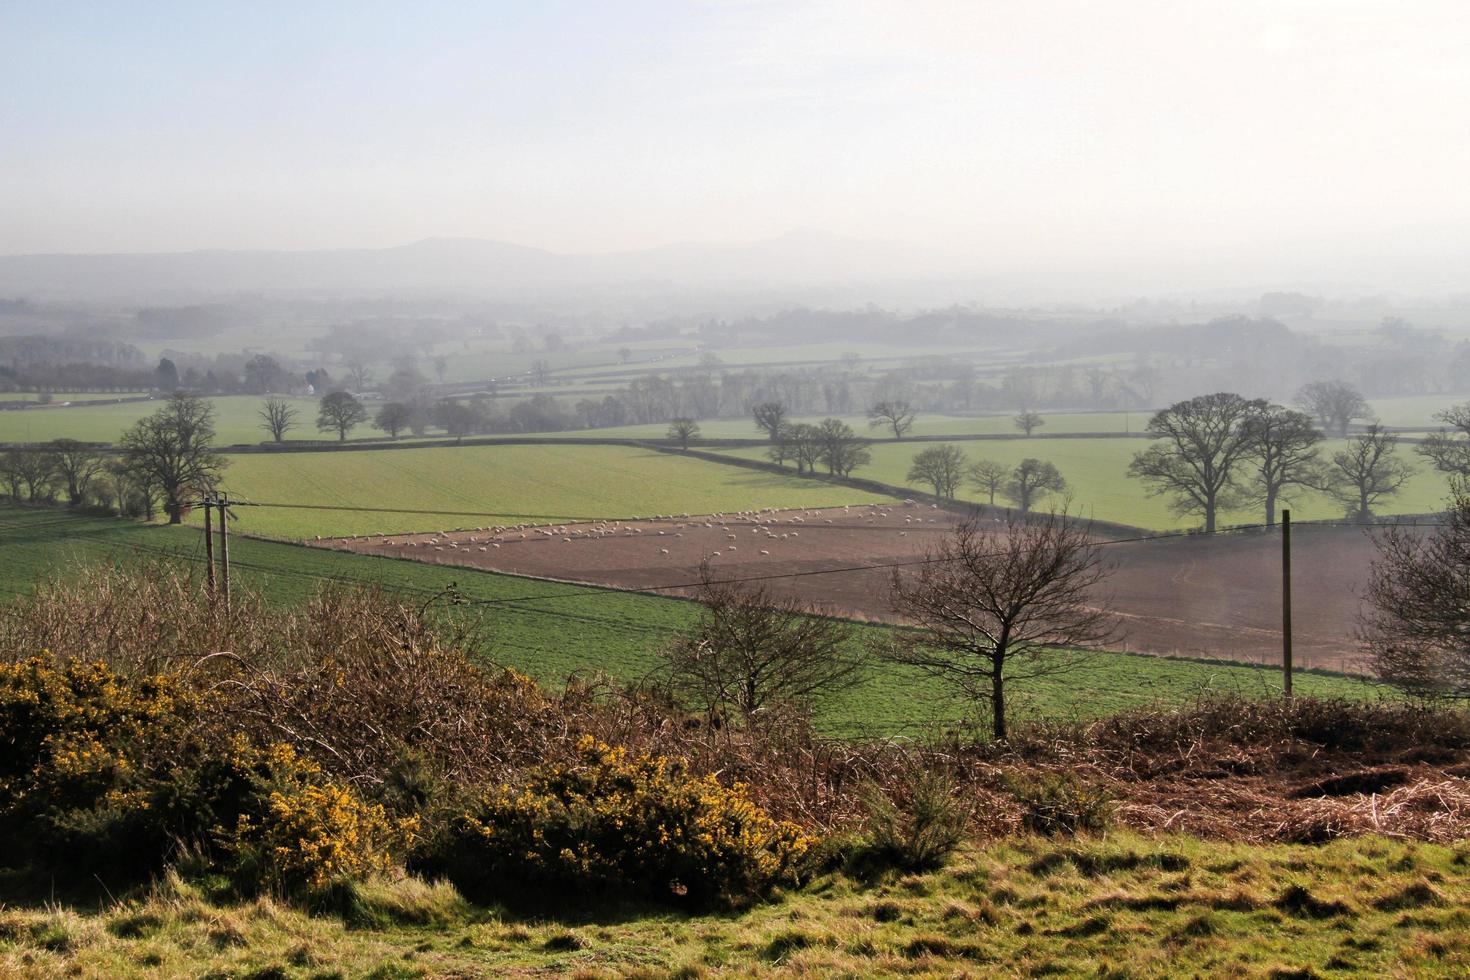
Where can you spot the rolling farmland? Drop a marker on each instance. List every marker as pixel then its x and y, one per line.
pixel 499 484
pixel 551 630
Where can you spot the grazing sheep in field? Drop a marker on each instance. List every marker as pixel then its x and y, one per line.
pixel 765 552
pixel 483 548
pixel 715 555
pixel 495 546
pixel 663 551
pixel 732 548
pixel 730 536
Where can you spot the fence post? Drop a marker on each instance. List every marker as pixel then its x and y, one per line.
pixel 1286 600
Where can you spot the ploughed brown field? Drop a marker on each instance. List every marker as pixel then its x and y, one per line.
pixel 1198 596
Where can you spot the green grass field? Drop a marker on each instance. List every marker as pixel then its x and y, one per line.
pixel 1416 410
pixel 1097 472
pixel 570 629
pixel 497 485
pixel 237 420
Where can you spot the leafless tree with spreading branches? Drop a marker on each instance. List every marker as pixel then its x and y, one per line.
pixel 998 605
pixel 751 651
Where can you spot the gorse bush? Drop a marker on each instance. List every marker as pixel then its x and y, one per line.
pixel 609 824
pixel 301 832
pixel 95 772
pixel 109 777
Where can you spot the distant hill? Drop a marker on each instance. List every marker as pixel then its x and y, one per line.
pixel 461 266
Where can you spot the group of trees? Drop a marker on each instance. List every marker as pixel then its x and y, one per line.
pixel 830 442
pixel 946 468
pixel 1220 451
pixel 166 459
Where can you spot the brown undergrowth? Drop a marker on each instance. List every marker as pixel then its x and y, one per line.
pixel 382 701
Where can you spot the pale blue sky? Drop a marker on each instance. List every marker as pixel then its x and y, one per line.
pixel 1030 131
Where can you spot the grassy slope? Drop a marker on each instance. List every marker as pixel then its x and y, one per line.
pixel 541 482
pixel 588 630
pixel 1097 471
pixel 1124 906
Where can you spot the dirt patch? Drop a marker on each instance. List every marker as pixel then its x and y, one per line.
pixel 1194 596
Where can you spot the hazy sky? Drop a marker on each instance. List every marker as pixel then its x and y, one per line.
pixel 1034 130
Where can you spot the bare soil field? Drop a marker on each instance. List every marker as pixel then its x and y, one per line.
pixel 1192 595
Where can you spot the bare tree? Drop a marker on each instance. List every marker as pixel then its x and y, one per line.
pixel 842 450
pixel 36 468
pixel 341 413
pixel 171 452
pixel 277 416
pixel 76 465
pixel 540 372
pixel 1366 471
pixel 1203 441
pixel 1283 454
pixel 1335 405
pixel 1029 422
pixel 942 467
pixel 770 416
pixel 806 446
pixel 989 477
pixel 1449 448
pixel 12 472
pixel 1416 624
pixel 681 430
pixel 359 374
pixel 995 606
pixel 895 414
pixel 750 651
pixel 1032 479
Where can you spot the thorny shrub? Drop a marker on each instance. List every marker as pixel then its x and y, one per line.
pixel 301 833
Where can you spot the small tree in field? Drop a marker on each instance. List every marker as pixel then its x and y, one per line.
pixel 1416 624
pixel 996 606
pixel 1202 444
pixel 1029 422
pixel 893 414
pixel 277 416
pixel 770 417
pixel 750 651
pixel 1367 471
pixel 341 413
pixel 681 430
pixel 989 477
pixel 393 418
pixel 171 453
pixel 942 467
pixel 1031 480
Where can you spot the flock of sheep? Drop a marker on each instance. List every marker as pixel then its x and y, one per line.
pixel 766 526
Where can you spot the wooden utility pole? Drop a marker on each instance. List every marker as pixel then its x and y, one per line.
pixel 224 547
pixel 209 543
pixel 1286 599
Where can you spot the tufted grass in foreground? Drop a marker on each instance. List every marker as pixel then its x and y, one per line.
pixel 1123 905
